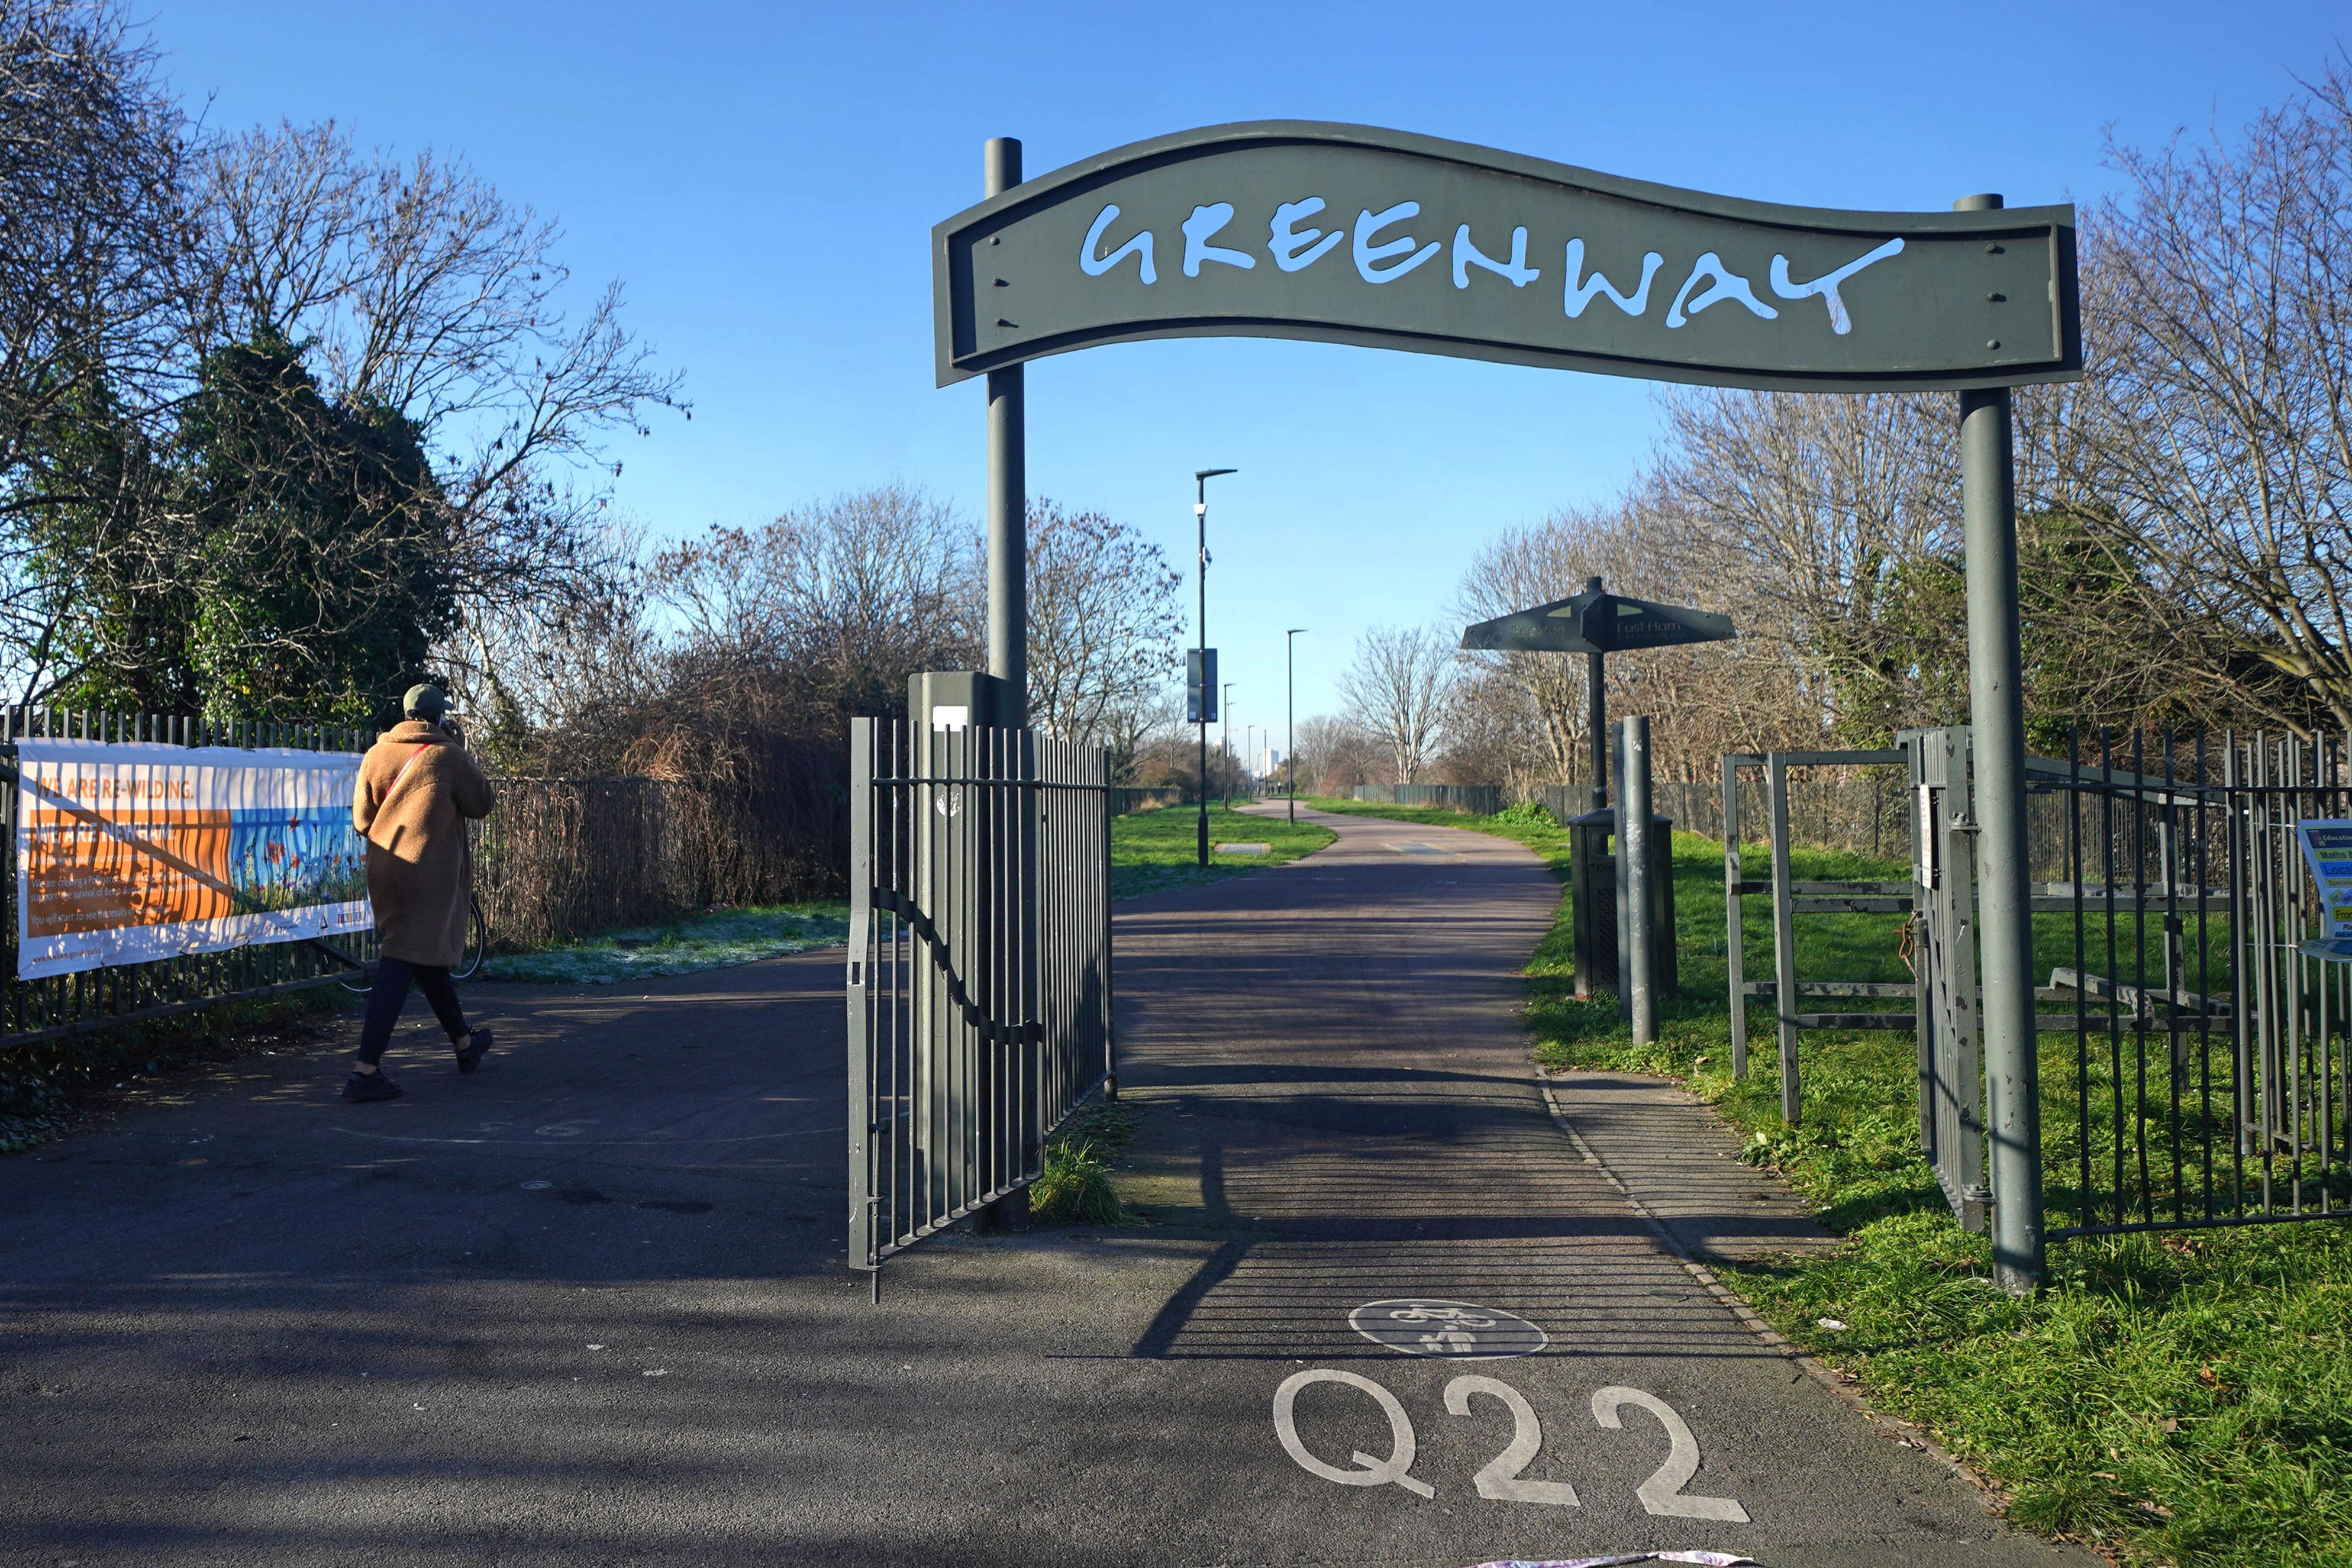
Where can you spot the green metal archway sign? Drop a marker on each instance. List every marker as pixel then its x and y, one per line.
pixel 1346 234
pixel 1353 235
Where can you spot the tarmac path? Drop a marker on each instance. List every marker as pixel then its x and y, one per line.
pixel 589 1305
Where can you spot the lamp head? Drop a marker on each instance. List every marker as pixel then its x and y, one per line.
pixel 1206 474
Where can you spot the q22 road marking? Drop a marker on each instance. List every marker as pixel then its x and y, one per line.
pixel 1500 1479
pixel 1395 1468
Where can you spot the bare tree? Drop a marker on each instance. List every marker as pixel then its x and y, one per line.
pixel 1334 754
pixel 1520 568
pixel 1521 720
pixel 262 396
pixel 529 679
pixel 1397 689
pixel 1802 510
pixel 1496 734
pixel 2219 419
pixel 93 251
pixel 1145 739
pixel 417 288
pixel 857 592
pixel 1103 625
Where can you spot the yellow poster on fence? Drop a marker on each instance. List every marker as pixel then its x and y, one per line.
pixel 127 852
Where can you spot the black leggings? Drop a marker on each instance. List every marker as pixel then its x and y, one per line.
pixel 389 995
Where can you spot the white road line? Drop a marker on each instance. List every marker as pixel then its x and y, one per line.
pixel 561 1140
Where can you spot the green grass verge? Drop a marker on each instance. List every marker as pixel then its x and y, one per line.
pixel 2180 1399
pixel 1076 1187
pixel 1152 851
pixel 706 941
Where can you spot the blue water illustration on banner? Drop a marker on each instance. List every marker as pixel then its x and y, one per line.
pixel 281 857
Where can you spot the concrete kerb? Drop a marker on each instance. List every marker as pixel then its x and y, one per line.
pixel 1987 1490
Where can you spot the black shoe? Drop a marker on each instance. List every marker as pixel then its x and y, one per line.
pixel 478 1047
pixel 363 1086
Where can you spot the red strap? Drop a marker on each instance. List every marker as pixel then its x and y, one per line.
pixel 422 747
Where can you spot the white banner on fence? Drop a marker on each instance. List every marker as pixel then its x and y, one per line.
pixel 127 852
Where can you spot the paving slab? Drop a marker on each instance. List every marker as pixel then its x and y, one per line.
pixel 1681 1164
pixel 591 1304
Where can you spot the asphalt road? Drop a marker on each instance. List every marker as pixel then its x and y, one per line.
pixel 589 1306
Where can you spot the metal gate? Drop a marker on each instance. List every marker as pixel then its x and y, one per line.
pixel 1944 969
pixel 1785 991
pixel 979 967
pixel 2193 1050
pixel 2206 1082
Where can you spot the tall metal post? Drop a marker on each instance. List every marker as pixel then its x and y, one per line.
pixel 1008 489
pixel 996 927
pixel 1635 965
pixel 1200 478
pixel 1201 519
pixel 1734 926
pixel 2004 921
pixel 1225 740
pixel 1785 999
pixel 1596 716
pixel 1290 715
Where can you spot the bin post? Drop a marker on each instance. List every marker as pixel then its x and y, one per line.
pixel 1638 957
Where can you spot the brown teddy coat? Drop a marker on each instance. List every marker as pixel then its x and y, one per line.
pixel 417 786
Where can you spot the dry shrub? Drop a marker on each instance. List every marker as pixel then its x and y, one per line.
pixel 564 857
pixel 759 815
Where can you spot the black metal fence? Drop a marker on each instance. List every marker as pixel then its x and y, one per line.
pixel 2200 1074
pixel 979 967
pixel 2193 1041
pixel 1479 799
pixel 1126 800
pixel 1855 809
pixel 52 1006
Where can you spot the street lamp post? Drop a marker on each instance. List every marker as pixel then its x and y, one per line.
pixel 1200 478
pixel 1289 717
pixel 1225 742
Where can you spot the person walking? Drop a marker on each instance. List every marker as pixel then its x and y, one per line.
pixel 418 786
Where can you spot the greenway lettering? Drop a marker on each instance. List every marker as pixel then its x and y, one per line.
pixel 1383 239
pixel 1709 281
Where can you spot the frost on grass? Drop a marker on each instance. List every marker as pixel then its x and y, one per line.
pixel 707 941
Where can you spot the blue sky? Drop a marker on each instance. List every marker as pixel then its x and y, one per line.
pixel 764 178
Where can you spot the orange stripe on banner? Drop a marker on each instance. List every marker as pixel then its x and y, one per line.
pixel 81 874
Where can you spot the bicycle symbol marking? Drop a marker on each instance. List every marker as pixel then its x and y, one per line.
pixel 1427 1312
pixel 1456 1329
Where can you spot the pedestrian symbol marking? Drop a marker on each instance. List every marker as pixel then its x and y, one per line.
pixel 1423 1326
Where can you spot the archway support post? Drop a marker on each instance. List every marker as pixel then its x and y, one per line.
pixel 1008 487
pixel 2004 919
